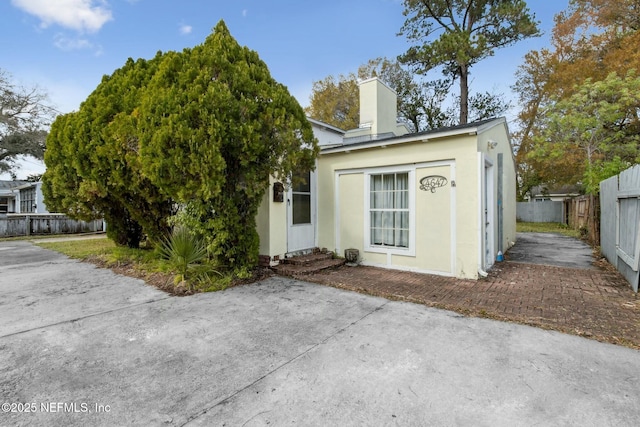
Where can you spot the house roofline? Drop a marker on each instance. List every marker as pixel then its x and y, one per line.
pixel 326 126
pixel 27 185
pixel 470 129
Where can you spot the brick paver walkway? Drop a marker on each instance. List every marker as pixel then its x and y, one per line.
pixel 596 303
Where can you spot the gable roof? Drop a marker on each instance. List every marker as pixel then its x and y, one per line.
pixel 551 190
pixel 470 128
pixel 326 126
pixel 8 185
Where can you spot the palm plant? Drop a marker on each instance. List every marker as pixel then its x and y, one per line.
pixel 184 251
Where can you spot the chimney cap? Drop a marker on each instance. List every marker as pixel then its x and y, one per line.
pixel 379 80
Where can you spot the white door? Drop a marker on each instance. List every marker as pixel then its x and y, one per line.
pixel 301 213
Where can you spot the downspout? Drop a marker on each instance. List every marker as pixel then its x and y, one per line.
pixel 481 199
pixel 500 204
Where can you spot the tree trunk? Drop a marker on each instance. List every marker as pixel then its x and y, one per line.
pixel 464 94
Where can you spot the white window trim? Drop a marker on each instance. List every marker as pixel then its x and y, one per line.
pixel 368 247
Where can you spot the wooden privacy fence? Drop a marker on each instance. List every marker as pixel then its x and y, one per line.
pixel 583 213
pixel 41 224
pixel 620 223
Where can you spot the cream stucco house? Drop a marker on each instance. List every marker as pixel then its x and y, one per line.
pixel 440 202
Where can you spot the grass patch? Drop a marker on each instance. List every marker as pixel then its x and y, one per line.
pixel 37 237
pixel 546 227
pixel 80 249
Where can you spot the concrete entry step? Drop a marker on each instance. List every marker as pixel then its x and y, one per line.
pixel 309 258
pixel 307 264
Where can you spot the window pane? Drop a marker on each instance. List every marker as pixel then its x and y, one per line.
pixel 301 209
pixel 377 200
pixel 388 182
pixel 376 219
pixel 402 238
pixel 304 186
pixel 376 236
pixel 387 219
pixel 376 182
pixel 402 181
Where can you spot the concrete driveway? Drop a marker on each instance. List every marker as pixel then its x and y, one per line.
pixel 551 249
pixel 82 346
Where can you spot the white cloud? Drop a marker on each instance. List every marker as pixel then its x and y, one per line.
pixel 64 43
pixel 244 13
pixel 80 15
pixel 185 29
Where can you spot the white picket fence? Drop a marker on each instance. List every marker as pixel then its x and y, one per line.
pixel 620 223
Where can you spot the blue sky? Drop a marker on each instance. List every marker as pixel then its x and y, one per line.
pixel 66 46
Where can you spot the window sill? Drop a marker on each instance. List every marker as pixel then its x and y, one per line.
pixel 391 250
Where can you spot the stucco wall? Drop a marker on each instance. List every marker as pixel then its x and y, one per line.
pixel 500 134
pixel 453 209
pixel 271 222
pixel 351 212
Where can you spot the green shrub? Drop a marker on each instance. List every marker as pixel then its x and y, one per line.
pixel 186 254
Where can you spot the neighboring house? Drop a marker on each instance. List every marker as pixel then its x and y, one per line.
pixel 440 202
pixel 21 197
pixel 31 199
pixel 543 193
pixel 9 196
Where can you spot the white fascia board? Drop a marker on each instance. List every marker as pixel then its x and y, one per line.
pixel 326 126
pixel 489 125
pixel 399 140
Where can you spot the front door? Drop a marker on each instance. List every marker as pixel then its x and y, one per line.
pixel 301 213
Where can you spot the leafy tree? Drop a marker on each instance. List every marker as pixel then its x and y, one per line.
pixel 429 110
pixel 60 182
pixel 213 126
pixel 205 127
pixel 24 117
pixel 67 192
pixel 599 126
pixel 486 105
pixel 591 39
pixel 336 101
pixel 93 166
pixel 532 81
pixel 420 102
pixel 467 31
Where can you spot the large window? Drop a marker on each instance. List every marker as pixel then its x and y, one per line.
pixel 389 210
pixel 28 200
